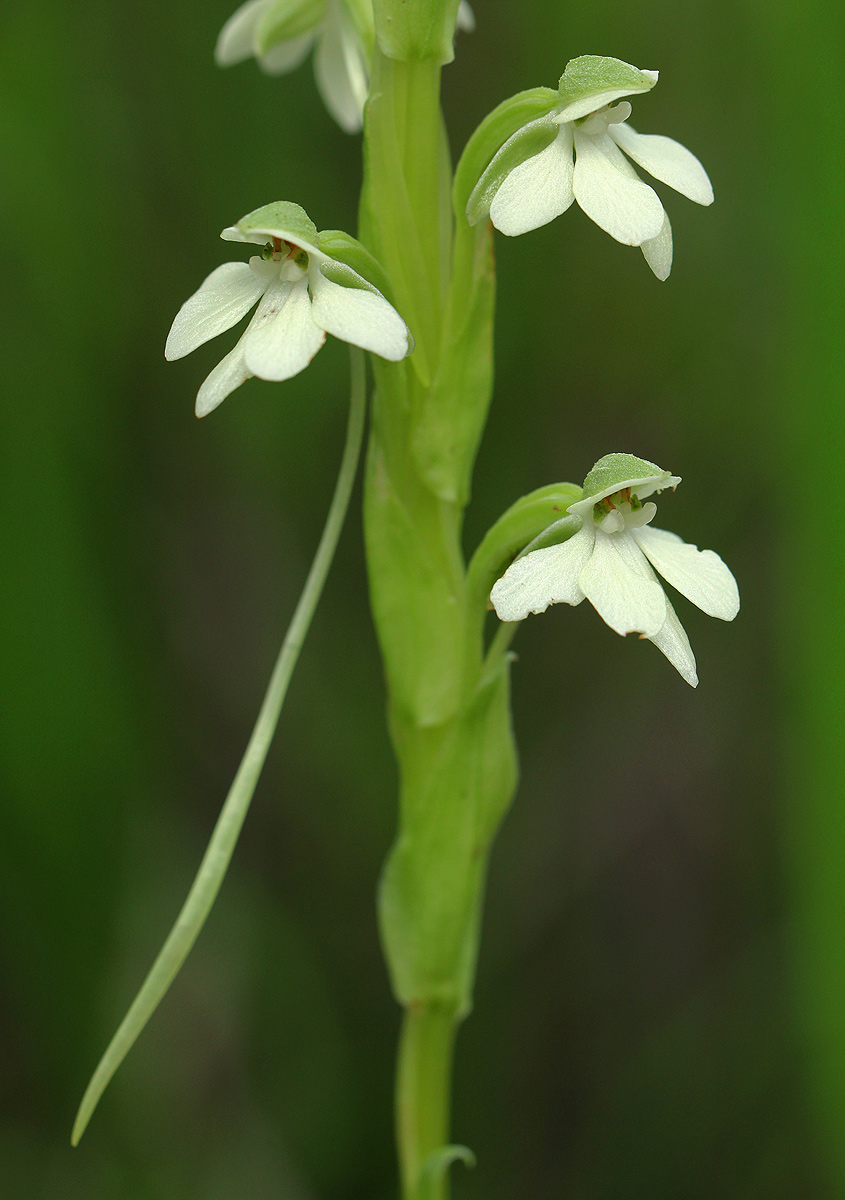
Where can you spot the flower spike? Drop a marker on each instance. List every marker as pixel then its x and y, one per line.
pixel 609 562
pixel 302 294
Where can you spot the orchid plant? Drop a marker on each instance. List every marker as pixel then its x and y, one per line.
pixel 415 289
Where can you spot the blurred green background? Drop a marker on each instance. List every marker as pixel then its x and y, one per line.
pixel 660 1009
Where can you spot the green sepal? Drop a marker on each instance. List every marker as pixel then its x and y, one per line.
pixel 277 219
pixel 346 249
pixel 414 30
pixel 458 780
pixel 618 470
pixel 285 20
pixel 435 1167
pixel 524 523
pixel 475 180
pixel 590 82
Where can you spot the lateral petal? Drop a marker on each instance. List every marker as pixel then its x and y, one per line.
pixel 700 575
pixel 229 374
pixel 658 251
pixel 220 301
pixel 672 640
pixel 282 338
pixel 610 193
pixel 237 37
pixel 286 56
pixel 667 160
pixel 543 577
pixel 536 191
pixel 619 589
pixel 359 315
pixel 340 70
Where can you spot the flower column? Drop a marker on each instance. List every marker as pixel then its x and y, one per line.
pixel 449 723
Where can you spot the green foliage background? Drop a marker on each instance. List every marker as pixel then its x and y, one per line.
pixel 661 1003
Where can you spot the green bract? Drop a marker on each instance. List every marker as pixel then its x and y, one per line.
pixel 278 219
pixel 287 19
pixel 458 778
pixel 591 82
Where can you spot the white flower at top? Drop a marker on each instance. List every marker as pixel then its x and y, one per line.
pixel 587 138
pixel 280 34
pixel 302 293
pixel 609 562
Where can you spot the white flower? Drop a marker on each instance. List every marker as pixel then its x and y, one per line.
pixel 609 562
pixel 586 161
pixel 341 35
pixel 302 294
pixel 340 58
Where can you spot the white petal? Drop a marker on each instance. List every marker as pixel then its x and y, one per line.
pixel 221 300
pixel 700 575
pixel 608 190
pixel 226 376
pixel 235 42
pixel 340 69
pixel 286 56
pixel 466 18
pixel 673 641
pixel 536 191
pixel 667 160
pixel 282 338
pixel 359 316
pixel 658 251
pixel 618 588
pixel 543 577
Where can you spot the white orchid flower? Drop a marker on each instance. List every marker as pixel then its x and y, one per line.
pixel 326 26
pixel 588 138
pixel 609 562
pixel 302 294
pixel 279 34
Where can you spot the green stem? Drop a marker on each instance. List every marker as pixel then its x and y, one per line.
pixel 222 844
pixel 452 737
pixel 423 1089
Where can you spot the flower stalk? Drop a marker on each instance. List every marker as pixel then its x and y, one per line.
pixel 450 725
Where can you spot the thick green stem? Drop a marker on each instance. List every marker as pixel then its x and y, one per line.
pixel 423 1091
pixel 450 727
